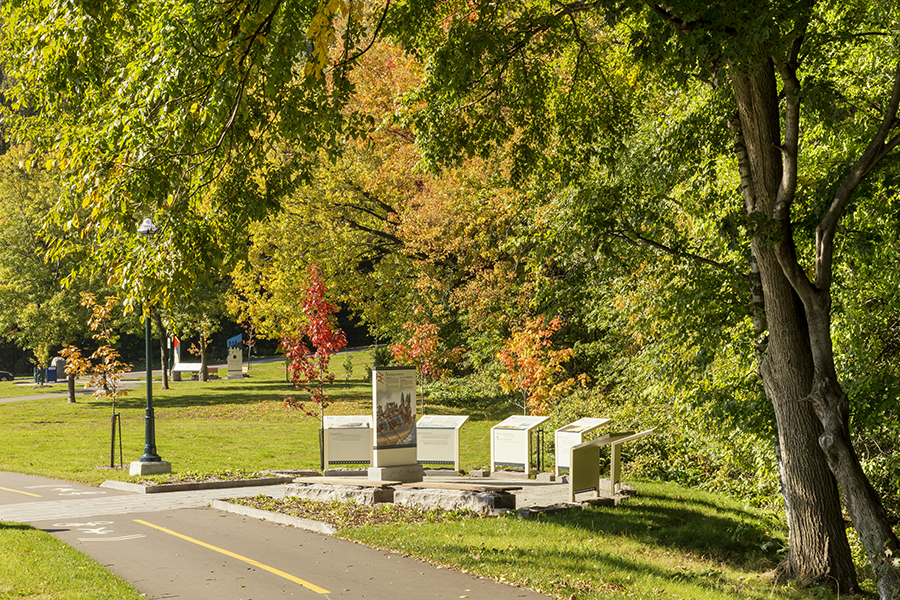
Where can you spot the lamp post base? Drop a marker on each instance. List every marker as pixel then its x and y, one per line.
pixel 149 468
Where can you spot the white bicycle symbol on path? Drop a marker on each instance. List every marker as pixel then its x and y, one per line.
pixel 97 528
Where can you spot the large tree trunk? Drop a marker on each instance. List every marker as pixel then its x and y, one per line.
pixel 204 369
pixel 70 378
pixel 862 501
pixel 819 551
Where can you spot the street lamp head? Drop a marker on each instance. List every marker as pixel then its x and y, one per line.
pixel 147 228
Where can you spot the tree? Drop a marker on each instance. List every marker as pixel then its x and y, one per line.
pixel 425 350
pixel 309 370
pixel 530 71
pixel 105 365
pixel 39 307
pixel 565 88
pixel 533 369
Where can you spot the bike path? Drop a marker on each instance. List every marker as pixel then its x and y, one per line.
pixel 169 551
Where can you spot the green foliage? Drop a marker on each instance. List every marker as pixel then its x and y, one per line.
pixel 690 446
pixel 38 311
pixel 478 394
pixel 347 366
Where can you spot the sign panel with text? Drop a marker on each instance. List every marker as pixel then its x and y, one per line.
pixel 437 439
pixel 394 415
pixel 511 442
pixel 348 440
pixel 572 435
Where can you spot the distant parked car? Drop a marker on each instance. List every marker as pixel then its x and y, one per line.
pixel 6 376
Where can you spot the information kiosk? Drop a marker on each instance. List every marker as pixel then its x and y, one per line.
pixel 394 417
pixel 572 435
pixel 438 439
pixel 348 440
pixel 236 357
pixel 511 442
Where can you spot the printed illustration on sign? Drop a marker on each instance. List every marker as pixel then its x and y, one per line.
pixel 395 412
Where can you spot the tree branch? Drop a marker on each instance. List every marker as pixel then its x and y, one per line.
pixel 635 239
pixel 875 151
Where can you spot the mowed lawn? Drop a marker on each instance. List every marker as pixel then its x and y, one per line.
pixel 668 542
pixel 200 427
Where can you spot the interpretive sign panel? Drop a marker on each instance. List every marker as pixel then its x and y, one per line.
pixel 584 474
pixel 572 435
pixel 348 440
pixel 394 415
pixel 437 439
pixel 511 442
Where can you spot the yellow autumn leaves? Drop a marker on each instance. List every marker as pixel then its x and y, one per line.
pixel 322 31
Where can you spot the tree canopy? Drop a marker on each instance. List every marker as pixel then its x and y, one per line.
pixel 704 191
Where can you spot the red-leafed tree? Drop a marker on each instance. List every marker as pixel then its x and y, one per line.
pixel 533 368
pixel 310 349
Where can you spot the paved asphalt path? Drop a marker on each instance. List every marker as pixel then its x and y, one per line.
pixel 173 545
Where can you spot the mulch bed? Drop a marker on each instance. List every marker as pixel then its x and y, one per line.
pixel 351 514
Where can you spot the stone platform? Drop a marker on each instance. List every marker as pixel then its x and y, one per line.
pixel 483 494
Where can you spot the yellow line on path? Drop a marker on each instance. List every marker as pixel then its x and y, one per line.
pixel 249 561
pixel 18 492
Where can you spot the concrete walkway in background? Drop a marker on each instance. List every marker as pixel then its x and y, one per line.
pixel 173 545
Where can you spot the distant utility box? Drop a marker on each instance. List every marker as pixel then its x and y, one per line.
pixel 235 357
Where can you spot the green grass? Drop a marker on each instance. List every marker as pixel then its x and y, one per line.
pixel 220 424
pixel 669 542
pixel 35 565
pixel 11 389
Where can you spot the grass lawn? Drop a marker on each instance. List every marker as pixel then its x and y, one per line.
pixel 36 565
pixel 200 427
pixel 668 542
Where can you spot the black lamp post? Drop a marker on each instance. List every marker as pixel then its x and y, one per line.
pixel 148 229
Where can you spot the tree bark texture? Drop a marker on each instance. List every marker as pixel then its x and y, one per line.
pixel 818 551
pixel 832 407
pixel 204 368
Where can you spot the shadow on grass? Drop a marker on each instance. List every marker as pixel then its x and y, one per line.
pixel 617 550
pixel 8 526
pixel 614 573
pixel 199 394
pixel 730 535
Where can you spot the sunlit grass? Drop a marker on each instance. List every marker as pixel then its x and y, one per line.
pixel 221 424
pixel 34 564
pixel 668 542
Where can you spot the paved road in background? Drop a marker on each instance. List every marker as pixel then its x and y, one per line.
pixel 172 545
pixel 130 380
